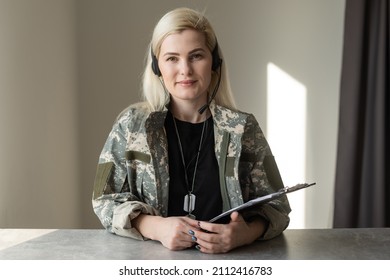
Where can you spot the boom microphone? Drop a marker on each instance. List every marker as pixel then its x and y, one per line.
pixel 205 106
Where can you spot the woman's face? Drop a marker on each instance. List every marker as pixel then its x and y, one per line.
pixel 185 65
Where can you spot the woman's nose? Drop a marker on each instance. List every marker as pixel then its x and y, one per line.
pixel 185 67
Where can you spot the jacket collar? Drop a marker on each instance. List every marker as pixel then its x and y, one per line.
pixel 227 119
pixel 224 119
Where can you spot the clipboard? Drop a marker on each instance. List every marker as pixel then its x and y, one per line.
pixel 261 200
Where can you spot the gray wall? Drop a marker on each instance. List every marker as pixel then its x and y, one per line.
pixel 67 68
pixel 39 163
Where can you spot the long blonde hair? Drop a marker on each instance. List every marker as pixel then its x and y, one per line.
pixel 176 21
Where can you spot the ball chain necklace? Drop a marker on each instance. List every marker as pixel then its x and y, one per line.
pixel 189 198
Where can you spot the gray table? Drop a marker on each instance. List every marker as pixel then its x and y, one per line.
pixel 300 244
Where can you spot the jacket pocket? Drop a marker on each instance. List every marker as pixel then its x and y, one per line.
pixel 136 164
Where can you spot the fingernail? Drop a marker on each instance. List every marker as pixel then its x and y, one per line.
pixel 194 238
pixel 191 232
pixel 197 247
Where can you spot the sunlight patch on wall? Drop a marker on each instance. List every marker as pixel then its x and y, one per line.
pixel 286 134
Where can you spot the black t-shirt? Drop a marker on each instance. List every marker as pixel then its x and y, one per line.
pixel 208 202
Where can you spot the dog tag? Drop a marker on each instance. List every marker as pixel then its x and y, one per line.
pixel 189 202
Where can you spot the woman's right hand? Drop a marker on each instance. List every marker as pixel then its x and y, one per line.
pixel 172 232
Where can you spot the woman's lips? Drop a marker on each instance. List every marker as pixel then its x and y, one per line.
pixel 187 82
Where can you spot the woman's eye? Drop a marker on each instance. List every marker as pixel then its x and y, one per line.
pixel 196 56
pixel 172 58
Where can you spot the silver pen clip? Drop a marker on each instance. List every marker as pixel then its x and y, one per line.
pixel 296 187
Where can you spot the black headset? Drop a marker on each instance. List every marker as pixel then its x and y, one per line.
pixel 216 62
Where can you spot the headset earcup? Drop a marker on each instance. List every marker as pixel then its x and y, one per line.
pixel 155 68
pixel 217 61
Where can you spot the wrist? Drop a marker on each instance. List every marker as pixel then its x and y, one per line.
pixel 146 225
pixel 258 226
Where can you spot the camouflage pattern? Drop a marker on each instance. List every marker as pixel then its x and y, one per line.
pixel 133 175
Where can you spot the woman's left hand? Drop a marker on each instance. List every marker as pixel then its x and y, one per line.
pixel 221 238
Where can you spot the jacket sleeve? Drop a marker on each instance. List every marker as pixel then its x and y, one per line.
pixel 113 202
pixel 259 176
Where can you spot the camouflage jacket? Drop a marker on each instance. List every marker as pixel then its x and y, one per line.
pixel 133 176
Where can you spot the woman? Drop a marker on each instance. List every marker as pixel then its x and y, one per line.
pixel 186 154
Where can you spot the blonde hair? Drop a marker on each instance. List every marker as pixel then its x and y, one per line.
pixel 176 21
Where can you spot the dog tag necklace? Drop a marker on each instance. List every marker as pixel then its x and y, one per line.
pixel 189 198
